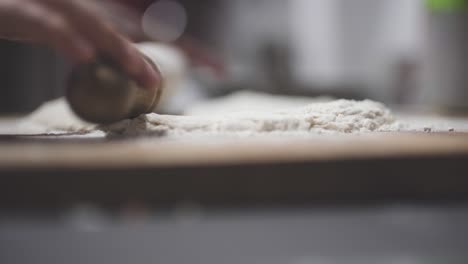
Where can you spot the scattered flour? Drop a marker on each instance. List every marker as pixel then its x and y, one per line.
pixel 54 117
pixel 340 116
pixel 245 114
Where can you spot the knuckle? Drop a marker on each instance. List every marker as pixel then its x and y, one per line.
pixel 59 31
pixel 56 24
pixel 123 51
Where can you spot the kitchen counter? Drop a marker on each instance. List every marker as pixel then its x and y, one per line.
pixel 44 171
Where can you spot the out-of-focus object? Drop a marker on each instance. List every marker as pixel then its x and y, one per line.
pixel 99 92
pixel 124 18
pixel 165 20
pixel 315 31
pixel 445 74
pixel 173 65
pixel 340 44
pixel 244 101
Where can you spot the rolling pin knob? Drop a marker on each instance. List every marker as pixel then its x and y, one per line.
pixel 99 92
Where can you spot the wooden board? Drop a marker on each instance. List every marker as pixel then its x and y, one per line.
pixel 56 173
pixel 40 152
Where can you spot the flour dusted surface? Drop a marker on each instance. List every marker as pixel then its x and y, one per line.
pixel 340 116
pixel 244 114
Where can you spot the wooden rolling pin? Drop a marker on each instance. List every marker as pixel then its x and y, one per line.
pixel 101 93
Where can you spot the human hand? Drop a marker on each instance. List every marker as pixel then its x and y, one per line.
pixel 77 29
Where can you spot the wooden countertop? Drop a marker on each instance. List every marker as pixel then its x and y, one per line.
pixel 33 152
pixel 40 172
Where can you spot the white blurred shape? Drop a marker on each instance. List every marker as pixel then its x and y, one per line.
pixel 355 42
pixel 402 26
pixel 165 20
pixel 315 37
pixel 173 65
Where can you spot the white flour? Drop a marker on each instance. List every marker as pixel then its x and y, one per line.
pixel 244 114
pixel 54 117
pixel 340 116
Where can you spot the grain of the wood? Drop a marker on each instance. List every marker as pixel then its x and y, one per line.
pixel 145 153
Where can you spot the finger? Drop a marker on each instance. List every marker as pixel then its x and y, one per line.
pixel 60 35
pixel 125 19
pixel 39 25
pixel 126 53
pixel 84 17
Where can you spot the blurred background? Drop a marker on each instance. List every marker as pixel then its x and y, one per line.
pixel 400 52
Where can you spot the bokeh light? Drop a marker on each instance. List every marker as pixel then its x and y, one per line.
pixel 165 20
